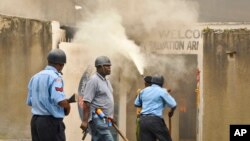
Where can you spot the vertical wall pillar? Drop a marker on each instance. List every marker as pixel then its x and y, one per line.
pixel 122 113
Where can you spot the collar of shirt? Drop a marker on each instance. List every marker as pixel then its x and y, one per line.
pixel 98 74
pixel 52 68
pixel 155 85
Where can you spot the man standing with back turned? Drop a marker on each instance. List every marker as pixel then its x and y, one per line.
pixel 48 101
pixel 98 95
pixel 147 82
pixel 153 100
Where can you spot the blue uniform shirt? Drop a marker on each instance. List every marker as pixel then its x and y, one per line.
pixel 45 90
pixel 153 100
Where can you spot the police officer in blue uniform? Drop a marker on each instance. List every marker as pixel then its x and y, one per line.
pixel 147 82
pixel 153 100
pixel 48 101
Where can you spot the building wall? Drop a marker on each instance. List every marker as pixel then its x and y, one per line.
pixel 58 10
pixel 24 45
pixel 226 82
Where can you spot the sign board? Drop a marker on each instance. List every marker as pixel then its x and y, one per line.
pixel 187 40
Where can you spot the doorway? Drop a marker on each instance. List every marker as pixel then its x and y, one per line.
pixel 179 71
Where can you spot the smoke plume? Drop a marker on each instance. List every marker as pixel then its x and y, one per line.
pixel 104 34
pixel 119 27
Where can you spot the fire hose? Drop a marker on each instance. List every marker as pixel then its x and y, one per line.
pixel 116 128
pixel 102 116
pixel 119 131
pixel 110 121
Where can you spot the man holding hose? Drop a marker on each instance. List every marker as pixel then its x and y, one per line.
pixel 98 94
pixel 153 100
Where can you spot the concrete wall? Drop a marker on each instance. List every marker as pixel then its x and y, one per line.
pixel 58 10
pixel 226 82
pixel 223 10
pixel 24 45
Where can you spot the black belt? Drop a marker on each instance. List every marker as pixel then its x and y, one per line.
pixel 151 115
pixel 47 116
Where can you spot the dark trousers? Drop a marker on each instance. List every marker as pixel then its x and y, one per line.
pixel 152 128
pixel 47 128
pixel 138 129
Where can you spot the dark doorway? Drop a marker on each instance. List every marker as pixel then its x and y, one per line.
pixel 180 75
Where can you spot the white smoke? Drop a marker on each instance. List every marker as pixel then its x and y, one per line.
pixel 103 33
pixel 112 26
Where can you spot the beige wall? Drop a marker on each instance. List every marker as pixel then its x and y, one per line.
pixel 24 45
pixel 226 82
pixel 58 10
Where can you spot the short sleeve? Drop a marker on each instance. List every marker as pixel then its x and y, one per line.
pixel 90 90
pixel 169 100
pixel 138 101
pixel 57 91
pixel 29 97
